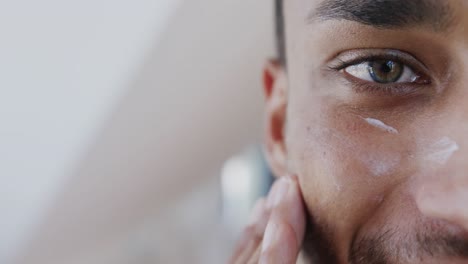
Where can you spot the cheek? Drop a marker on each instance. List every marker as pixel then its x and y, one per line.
pixel 340 155
pixel 345 145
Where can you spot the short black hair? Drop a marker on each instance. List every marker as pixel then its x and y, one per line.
pixel 280 32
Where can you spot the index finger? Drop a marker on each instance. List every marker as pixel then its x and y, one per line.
pixel 285 230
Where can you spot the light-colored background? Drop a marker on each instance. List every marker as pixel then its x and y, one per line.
pixel 116 118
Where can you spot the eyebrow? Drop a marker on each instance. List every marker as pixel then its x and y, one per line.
pixel 387 14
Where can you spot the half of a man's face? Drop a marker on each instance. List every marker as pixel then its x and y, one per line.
pixel 377 114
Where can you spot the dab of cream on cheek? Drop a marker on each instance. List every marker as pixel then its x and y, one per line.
pixel 381 164
pixel 381 125
pixel 438 152
pixel 441 151
pixel 386 163
pixel 378 163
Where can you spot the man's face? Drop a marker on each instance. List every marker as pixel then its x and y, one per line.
pixel 375 102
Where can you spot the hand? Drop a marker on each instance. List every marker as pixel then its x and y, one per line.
pixel 276 229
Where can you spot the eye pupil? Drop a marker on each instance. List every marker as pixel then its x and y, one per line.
pixel 385 71
pixel 387 67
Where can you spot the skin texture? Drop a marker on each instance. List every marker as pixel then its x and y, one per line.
pixel 365 195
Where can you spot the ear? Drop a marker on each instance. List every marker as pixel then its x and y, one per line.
pixel 275 86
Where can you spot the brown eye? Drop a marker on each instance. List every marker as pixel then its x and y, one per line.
pixel 382 71
pixel 385 71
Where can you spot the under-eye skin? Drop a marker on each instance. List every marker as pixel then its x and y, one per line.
pixel 381 71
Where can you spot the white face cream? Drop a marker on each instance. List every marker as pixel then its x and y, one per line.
pixel 438 152
pixel 377 161
pixel 381 125
pixel 381 164
pixel 441 151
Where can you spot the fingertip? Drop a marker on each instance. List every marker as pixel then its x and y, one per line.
pixel 278 192
pixel 293 177
pixel 293 209
pixel 279 243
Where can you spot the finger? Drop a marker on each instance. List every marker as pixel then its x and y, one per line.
pixel 249 251
pixel 252 234
pixel 261 223
pixel 256 256
pixel 261 219
pixel 286 227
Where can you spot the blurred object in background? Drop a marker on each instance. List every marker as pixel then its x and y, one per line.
pixel 244 179
pixel 201 227
pixel 117 117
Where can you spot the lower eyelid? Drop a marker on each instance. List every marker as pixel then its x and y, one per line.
pixel 371 88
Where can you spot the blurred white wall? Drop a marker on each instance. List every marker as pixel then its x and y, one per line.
pixel 64 66
pixel 112 110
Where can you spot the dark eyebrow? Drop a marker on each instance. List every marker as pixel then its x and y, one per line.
pixel 387 14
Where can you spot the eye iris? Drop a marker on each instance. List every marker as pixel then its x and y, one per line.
pixel 385 71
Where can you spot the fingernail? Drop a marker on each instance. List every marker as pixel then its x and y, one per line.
pixel 280 189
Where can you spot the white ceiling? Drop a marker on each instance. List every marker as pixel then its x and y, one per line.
pixel 111 110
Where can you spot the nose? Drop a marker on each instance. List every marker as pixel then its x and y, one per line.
pixel 442 192
pixel 445 196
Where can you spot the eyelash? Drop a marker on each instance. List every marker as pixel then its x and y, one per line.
pixel 362 86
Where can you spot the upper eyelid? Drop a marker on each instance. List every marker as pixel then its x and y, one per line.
pixel 354 57
pixel 357 61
